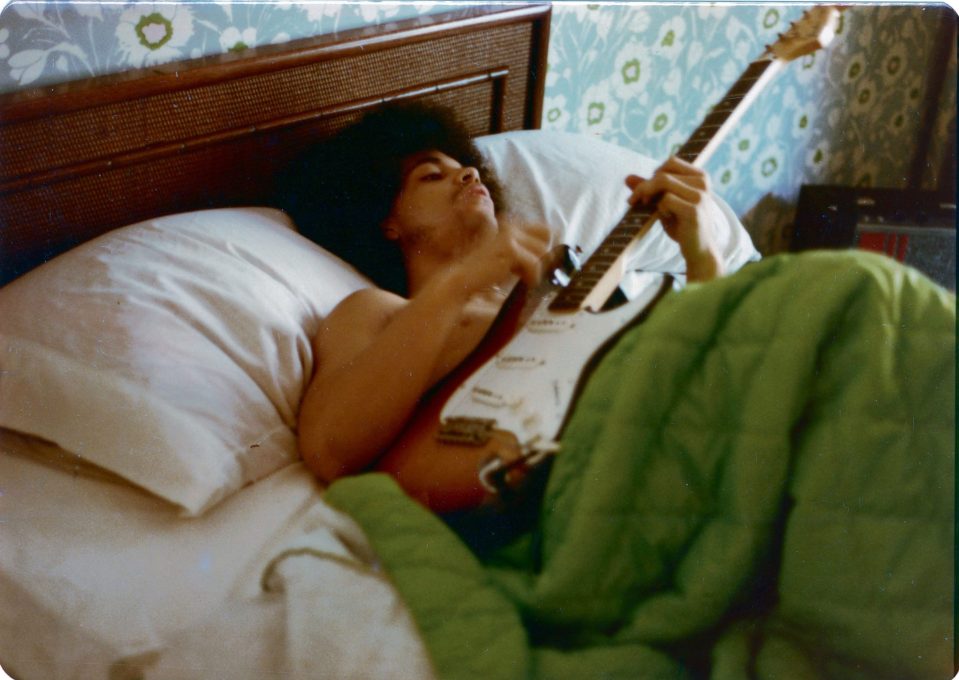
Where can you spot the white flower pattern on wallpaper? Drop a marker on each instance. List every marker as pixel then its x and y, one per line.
pixel 51 47
pixel 631 70
pixel 152 33
pixel 639 75
pixel 234 39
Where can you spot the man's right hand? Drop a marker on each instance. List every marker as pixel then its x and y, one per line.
pixel 517 251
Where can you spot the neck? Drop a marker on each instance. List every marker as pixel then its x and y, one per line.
pixel 421 268
pixel 425 260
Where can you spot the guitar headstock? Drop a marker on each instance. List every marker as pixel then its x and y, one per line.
pixel 814 30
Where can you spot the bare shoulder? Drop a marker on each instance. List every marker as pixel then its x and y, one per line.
pixel 366 309
pixel 353 324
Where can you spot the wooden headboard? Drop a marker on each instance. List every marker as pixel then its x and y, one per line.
pixel 79 159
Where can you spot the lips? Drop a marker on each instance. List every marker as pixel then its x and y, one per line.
pixel 474 190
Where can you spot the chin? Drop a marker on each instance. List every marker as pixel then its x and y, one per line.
pixel 490 224
pixel 481 220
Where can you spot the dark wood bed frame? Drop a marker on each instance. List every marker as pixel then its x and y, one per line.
pixel 82 158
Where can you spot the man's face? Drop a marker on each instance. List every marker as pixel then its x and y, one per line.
pixel 441 203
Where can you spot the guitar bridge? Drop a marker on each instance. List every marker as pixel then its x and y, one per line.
pixel 469 431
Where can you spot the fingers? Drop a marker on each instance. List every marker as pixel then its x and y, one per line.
pixel 675 176
pixel 689 189
pixel 519 249
pixel 682 192
pixel 674 212
pixel 677 166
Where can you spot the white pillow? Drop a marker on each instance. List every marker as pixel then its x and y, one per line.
pixel 172 352
pixel 575 184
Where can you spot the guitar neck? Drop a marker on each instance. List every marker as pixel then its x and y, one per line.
pixel 592 285
pixel 723 117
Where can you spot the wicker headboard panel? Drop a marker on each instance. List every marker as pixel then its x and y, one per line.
pixel 79 159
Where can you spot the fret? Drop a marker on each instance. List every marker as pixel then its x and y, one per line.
pixel 626 230
pixel 756 69
pixel 591 278
pixel 743 84
pixel 717 117
pixel 622 239
pixel 746 81
pixel 749 78
pixel 695 146
pixel 733 97
pixel 624 234
pixel 606 249
pixel 720 114
pixel 590 272
pixel 638 216
pixel 704 132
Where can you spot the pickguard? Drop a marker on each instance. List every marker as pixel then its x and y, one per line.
pixel 529 386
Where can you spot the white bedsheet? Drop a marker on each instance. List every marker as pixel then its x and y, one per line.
pixel 99 579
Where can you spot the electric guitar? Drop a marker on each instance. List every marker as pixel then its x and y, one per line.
pixel 501 412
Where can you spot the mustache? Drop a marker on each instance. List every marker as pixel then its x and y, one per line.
pixel 477 187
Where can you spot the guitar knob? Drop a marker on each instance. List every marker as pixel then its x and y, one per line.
pixel 567 261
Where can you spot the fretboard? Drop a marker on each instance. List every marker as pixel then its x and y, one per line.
pixel 599 267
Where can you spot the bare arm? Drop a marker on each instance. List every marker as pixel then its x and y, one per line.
pixel 378 354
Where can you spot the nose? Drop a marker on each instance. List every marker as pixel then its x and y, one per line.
pixel 469 175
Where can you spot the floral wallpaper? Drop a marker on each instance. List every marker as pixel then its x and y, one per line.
pixel 48 42
pixel 639 75
pixel 850 114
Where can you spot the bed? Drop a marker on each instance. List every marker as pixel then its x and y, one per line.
pixel 82 159
pixel 156 522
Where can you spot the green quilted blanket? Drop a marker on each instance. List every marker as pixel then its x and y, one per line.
pixel 757 482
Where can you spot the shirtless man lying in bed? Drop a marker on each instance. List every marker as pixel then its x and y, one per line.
pixel 413 190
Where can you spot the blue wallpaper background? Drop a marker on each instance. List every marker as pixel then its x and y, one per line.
pixel 642 76
pixel 849 114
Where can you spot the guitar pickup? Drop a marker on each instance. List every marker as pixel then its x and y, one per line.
pixel 550 324
pixel 513 361
pixel 464 430
pixel 487 397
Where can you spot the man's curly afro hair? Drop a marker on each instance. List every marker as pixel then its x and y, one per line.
pixel 341 190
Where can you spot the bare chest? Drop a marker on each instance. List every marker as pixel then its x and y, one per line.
pixel 473 325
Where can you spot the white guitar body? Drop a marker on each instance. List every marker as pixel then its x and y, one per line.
pixel 529 385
